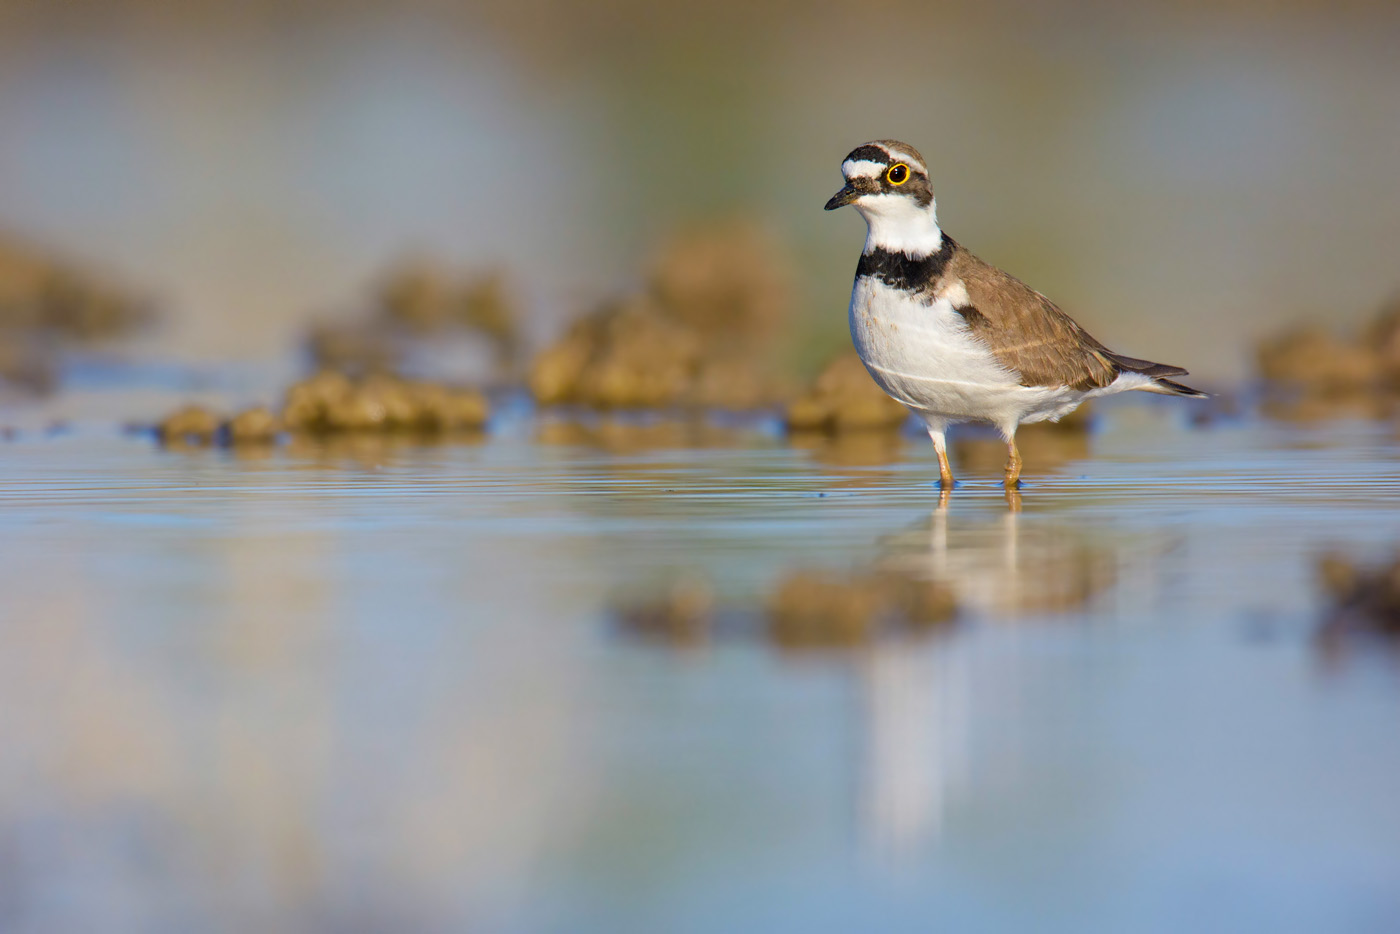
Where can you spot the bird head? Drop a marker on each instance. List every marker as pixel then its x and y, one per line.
pixel 887 182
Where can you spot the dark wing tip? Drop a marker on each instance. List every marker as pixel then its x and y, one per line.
pixel 1145 367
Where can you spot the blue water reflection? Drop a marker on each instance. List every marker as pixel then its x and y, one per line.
pixel 378 686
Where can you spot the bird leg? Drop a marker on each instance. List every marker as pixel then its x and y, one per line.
pixel 1013 464
pixel 945 472
pixel 940 446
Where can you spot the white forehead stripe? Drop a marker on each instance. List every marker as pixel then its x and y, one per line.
pixel 861 168
pixel 910 161
pixel 864 168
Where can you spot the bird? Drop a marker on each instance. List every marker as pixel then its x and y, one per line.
pixel 954 338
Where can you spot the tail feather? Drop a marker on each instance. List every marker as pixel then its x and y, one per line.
pixel 1157 373
pixel 1166 387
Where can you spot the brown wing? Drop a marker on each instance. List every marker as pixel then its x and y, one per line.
pixel 1026 332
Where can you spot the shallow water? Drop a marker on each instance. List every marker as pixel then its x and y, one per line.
pixel 381 687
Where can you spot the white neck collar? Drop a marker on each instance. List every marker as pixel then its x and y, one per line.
pixel 900 224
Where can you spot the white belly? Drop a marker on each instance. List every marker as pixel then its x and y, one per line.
pixel 924 356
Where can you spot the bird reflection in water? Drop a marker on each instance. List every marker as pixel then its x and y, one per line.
pixel 915 682
pixel 1007 567
pixel 917 702
pixel 913 758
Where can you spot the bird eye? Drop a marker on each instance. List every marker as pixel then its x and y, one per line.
pixel 897 174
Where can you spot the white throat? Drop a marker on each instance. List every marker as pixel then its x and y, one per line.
pixel 900 224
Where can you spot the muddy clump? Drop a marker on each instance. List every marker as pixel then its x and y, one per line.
pixel 738 382
pixel 197 426
pixel 844 399
pixel 699 335
pixel 46 302
pixel 355 348
pixel 191 425
pixel 414 302
pixel 425 298
pixel 330 402
pixel 629 355
pixel 818 610
pixel 681 615
pixel 808 610
pixel 731 283
pixel 633 355
pixel 41 292
pixel 258 425
pixel 1363 598
pixel 1318 362
pixel 29 361
pixel 1310 363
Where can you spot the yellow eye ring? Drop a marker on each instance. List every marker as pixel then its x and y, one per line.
pixel 897 174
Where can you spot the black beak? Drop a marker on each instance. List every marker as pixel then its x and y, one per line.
pixel 842 198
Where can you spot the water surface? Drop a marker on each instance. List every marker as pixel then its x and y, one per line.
pixel 380 686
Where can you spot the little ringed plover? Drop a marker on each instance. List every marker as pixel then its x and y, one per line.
pixel 956 339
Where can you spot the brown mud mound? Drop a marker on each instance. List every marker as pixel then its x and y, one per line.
pixel 808 610
pixel 1358 374
pixel 331 403
pixel 1363 598
pixel 844 399
pixel 700 334
pixel 820 610
pixel 418 301
pixel 47 301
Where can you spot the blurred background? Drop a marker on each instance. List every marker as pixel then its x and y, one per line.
pixel 599 623
pixel 1158 168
